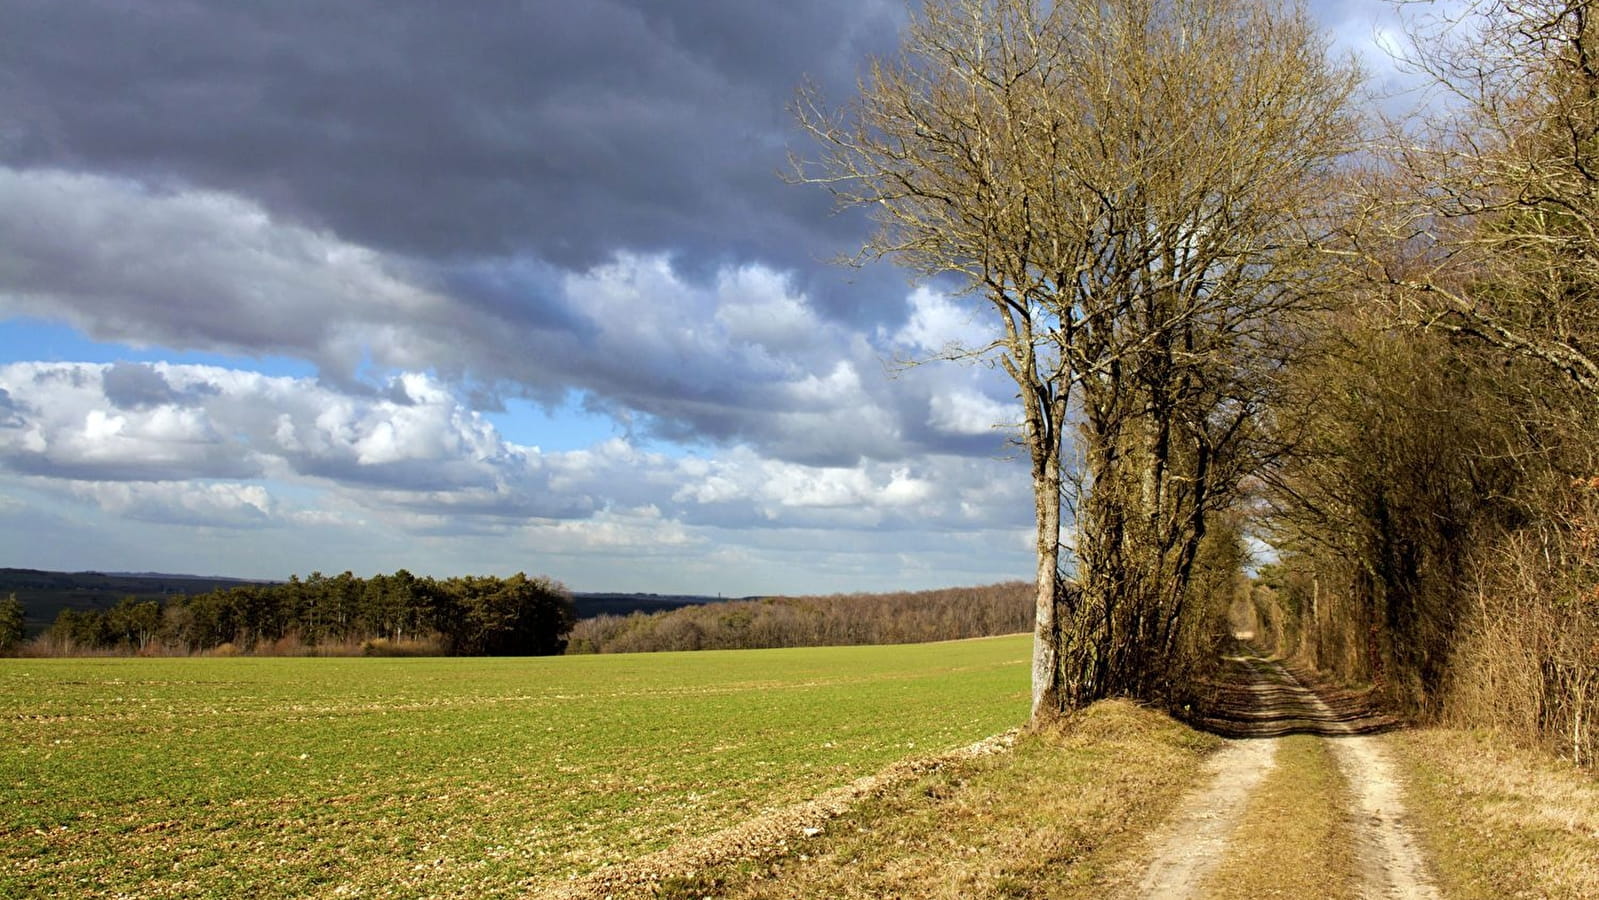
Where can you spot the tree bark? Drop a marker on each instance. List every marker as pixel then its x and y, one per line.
pixel 1047 701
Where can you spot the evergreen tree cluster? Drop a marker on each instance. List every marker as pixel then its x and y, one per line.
pixel 468 616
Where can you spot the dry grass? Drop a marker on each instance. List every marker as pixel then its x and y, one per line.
pixel 1525 662
pixel 1501 821
pixel 1048 820
pixel 1295 839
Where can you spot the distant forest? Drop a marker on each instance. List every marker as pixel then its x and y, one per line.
pixel 403 614
pixel 384 614
pixel 897 618
pixel 44 594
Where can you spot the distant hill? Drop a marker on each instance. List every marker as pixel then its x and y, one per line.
pixel 590 605
pixel 45 594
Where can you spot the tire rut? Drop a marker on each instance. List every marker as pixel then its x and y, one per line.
pixel 1262 698
pixel 1259 701
pixel 1194 842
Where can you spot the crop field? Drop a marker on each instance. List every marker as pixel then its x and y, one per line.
pixel 445 777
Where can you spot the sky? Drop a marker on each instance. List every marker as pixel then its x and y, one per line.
pixel 315 285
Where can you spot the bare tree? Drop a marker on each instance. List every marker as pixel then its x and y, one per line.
pixel 1139 189
pixel 1490 208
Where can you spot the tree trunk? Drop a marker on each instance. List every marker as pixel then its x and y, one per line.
pixel 1046 621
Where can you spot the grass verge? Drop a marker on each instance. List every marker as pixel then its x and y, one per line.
pixel 1050 819
pixel 1295 839
pixel 1501 821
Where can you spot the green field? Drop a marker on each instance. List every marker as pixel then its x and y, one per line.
pixel 445 777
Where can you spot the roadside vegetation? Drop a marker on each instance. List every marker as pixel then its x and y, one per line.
pixel 1435 510
pixel 1136 195
pixel 1499 820
pixel 1055 817
pixel 1436 533
pixel 1227 292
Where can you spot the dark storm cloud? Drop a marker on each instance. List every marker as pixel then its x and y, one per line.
pixel 743 355
pixel 529 199
pixel 437 130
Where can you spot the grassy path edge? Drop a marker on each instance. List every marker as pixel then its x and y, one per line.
pixel 1500 820
pixel 1061 812
pixel 769 834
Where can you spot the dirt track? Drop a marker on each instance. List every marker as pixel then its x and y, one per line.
pixel 1261 701
pixel 1261 698
pixel 1191 846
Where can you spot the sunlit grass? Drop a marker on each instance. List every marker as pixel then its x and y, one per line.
pixel 1063 816
pixel 428 777
pixel 1499 820
pixel 1295 839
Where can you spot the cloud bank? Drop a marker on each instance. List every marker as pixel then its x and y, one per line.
pixel 441 216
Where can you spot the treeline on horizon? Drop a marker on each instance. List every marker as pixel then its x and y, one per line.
pixel 405 615
pixel 398 614
pixel 840 619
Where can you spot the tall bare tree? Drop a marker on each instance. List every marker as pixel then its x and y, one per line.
pixel 1138 189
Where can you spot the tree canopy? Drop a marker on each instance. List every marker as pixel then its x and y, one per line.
pixel 1138 191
